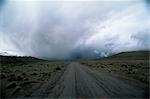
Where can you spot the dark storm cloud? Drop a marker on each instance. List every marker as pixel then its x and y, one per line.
pixel 68 30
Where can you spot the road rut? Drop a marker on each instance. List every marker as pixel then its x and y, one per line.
pixel 80 81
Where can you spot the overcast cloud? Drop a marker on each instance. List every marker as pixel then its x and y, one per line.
pixel 69 29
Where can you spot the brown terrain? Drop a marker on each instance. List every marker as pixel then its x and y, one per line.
pixel 124 75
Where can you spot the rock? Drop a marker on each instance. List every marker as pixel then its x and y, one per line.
pixel 11 85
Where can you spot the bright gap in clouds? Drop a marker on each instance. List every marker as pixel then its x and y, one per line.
pixel 70 30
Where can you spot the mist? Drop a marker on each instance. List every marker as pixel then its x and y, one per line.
pixel 73 29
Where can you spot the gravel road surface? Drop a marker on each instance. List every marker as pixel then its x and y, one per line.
pixel 79 81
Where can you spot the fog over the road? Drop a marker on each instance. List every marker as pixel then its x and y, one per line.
pixel 73 29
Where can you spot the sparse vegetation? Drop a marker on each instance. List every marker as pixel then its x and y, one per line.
pixel 19 75
pixel 130 65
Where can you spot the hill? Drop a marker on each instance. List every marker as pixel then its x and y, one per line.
pixel 134 65
pixel 134 55
pixel 17 60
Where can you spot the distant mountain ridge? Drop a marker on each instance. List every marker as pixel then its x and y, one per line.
pixel 17 59
pixel 133 55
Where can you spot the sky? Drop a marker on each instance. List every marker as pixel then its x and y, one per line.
pixel 71 29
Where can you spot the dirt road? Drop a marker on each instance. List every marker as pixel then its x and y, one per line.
pixel 80 81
